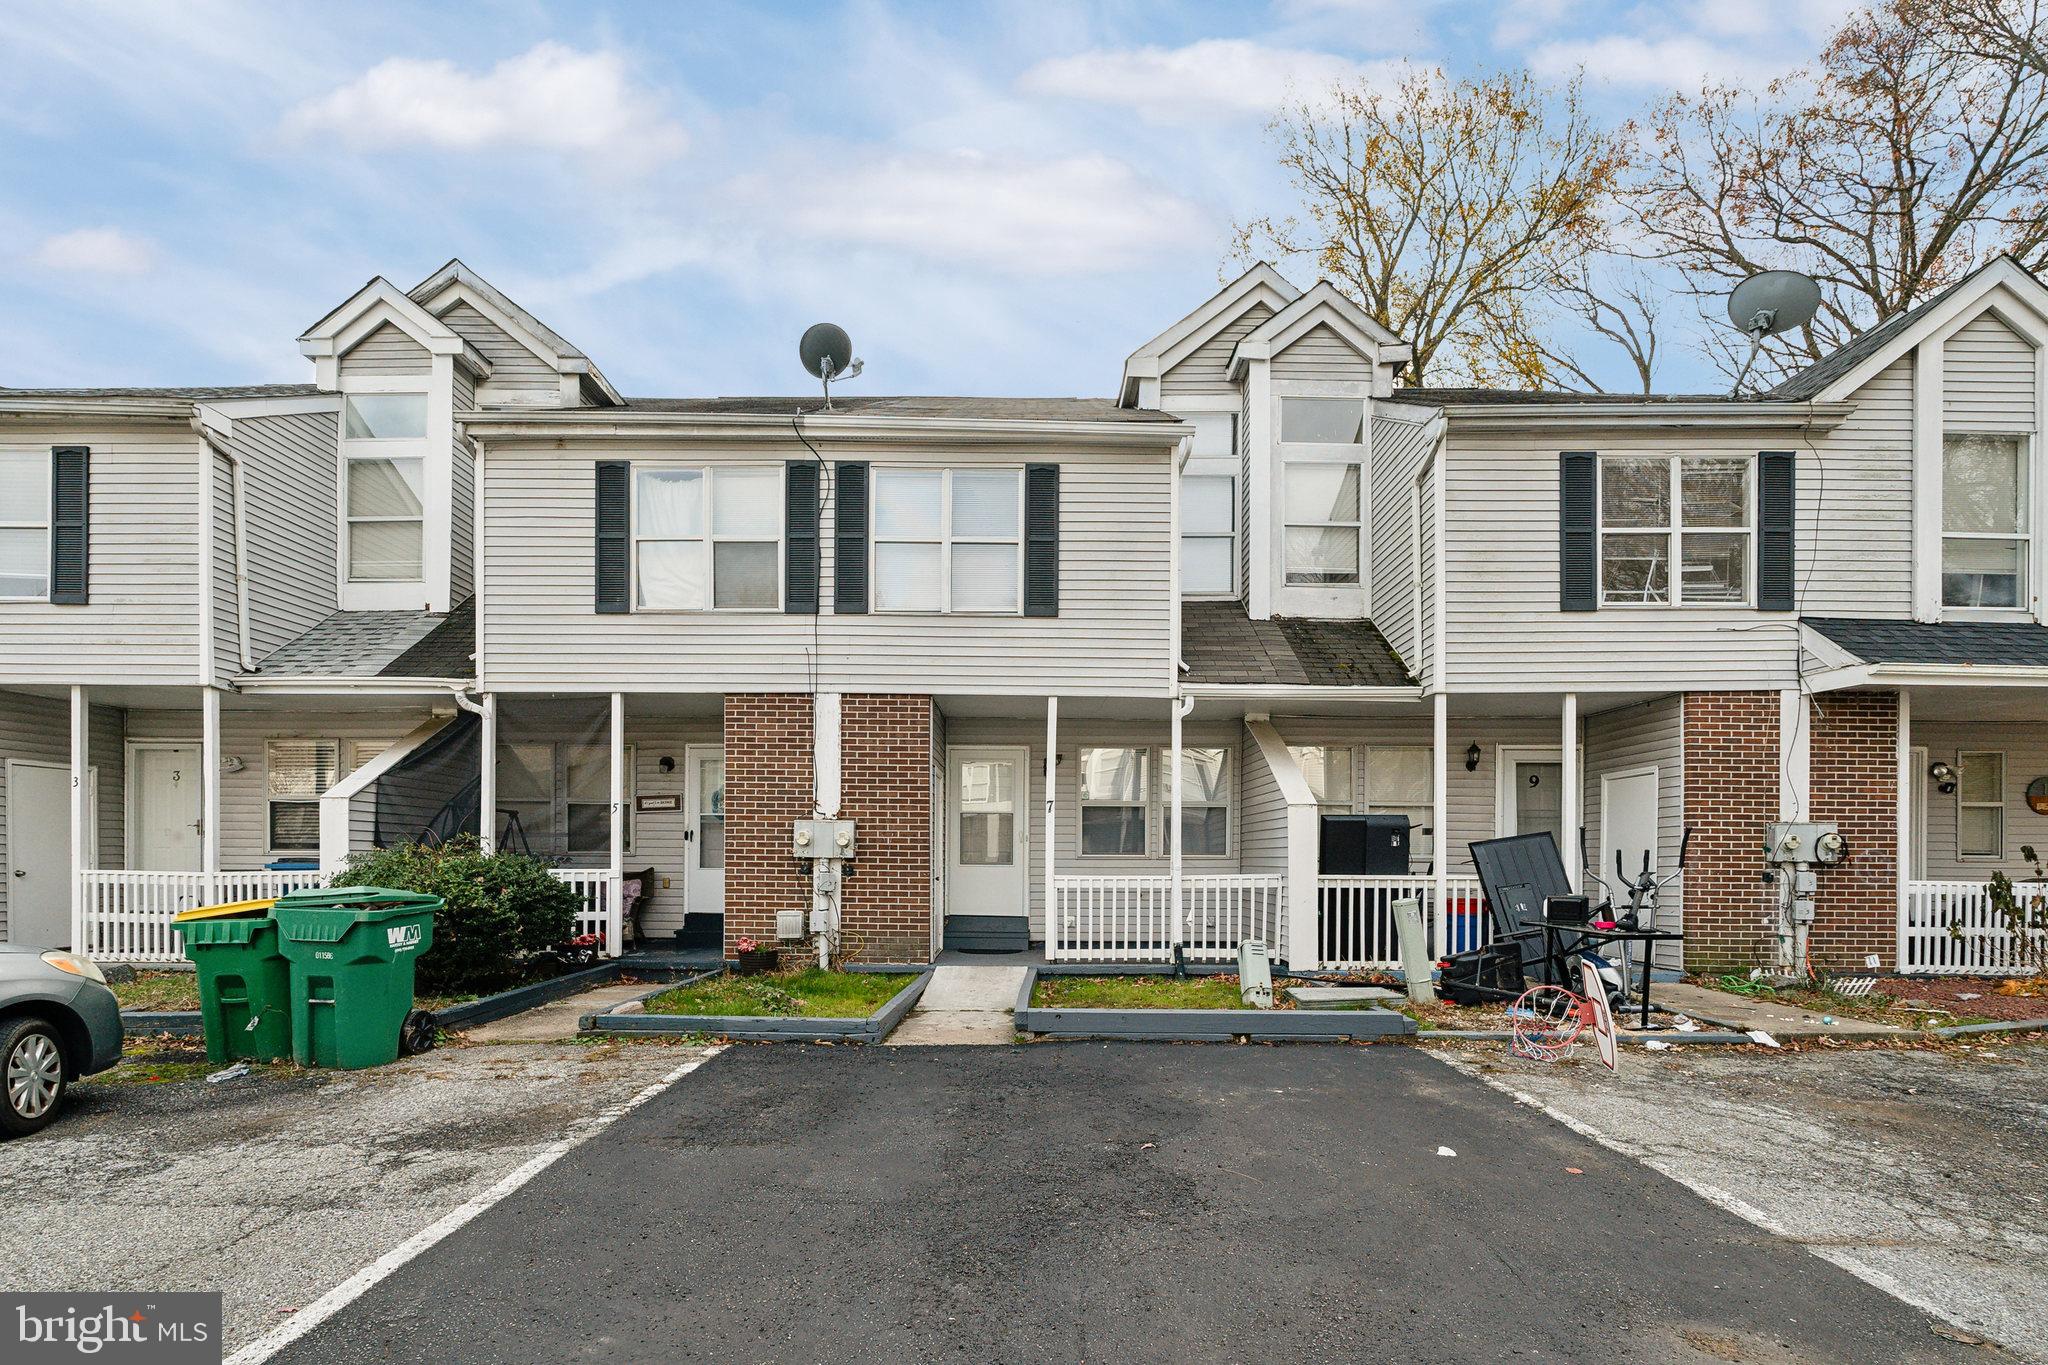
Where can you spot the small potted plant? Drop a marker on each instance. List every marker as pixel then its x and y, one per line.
pixel 755 956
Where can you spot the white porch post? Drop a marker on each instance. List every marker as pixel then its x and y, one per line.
pixel 1440 823
pixel 1173 893
pixel 1904 825
pixel 81 793
pixel 614 928
pixel 209 761
pixel 487 777
pixel 1570 795
pixel 1052 762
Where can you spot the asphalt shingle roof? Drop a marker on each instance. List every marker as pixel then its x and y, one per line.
pixel 2019 643
pixel 199 393
pixel 1219 643
pixel 1002 409
pixel 1812 381
pixel 372 644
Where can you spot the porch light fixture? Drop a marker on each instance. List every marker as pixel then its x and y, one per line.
pixel 1944 778
pixel 1472 758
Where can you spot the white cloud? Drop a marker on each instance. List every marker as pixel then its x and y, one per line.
pixel 1217 78
pixel 1813 19
pixel 1065 216
pixel 550 97
pixel 1682 63
pixel 96 251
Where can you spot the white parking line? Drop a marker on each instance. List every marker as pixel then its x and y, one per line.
pixel 360 1283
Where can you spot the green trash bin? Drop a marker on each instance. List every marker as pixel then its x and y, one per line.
pixel 245 996
pixel 352 950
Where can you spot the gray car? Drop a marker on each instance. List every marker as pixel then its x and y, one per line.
pixel 58 1021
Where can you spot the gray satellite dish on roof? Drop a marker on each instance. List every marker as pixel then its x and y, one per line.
pixel 827 352
pixel 1768 305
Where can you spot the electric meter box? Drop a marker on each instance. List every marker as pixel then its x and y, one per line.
pixel 1806 842
pixel 823 839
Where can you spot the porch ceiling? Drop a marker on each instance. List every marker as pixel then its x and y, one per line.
pixel 1980 705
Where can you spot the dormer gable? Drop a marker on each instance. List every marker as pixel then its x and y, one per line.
pixel 534 364
pixel 367 314
pixel 1233 311
pixel 1327 322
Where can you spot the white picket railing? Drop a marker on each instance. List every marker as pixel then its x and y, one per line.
pixel 1356 915
pixel 1130 919
pixel 128 914
pixel 600 912
pixel 1948 928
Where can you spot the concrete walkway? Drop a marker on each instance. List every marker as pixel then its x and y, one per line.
pixel 554 1022
pixel 1782 1021
pixel 964 1004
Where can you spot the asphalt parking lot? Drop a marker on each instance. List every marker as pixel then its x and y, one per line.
pixel 1099 1203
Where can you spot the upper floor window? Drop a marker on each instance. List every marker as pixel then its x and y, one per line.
pixel 1985 530
pixel 1215 433
pixel 384 499
pixel 707 538
pixel 1208 535
pixel 948 540
pixel 1322 421
pixel 25 525
pixel 1695 512
pixel 1322 508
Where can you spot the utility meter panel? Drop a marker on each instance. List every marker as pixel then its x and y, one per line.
pixel 823 839
pixel 1809 842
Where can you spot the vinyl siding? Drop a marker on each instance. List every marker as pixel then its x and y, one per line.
pixel 387 350
pixel 1428 667
pixel 142 623
pixel 38 729
pixel 462 501
pixel 1398 449
pixel 1110 638
pixel 1244 496
pixel 1855 555
pixel 658 835
pixel 289 466
pixel 2025 746
pixel 1206 368
pixel 1320 354
pixel 1262 819
pixel 1987 379
pixel 1636 737
pixel 226 623
pixel 517 374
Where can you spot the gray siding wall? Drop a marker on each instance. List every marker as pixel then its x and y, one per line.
pixel 1398 449
pixel 1206 369
pixel 1320 354
pixel 387 350
pixel 142 624
pixel 1111 636
pixel 1987 379
pixel 461 501
pixel 1856 505
pixel 1428 667
pixel 1262 819
pixel 657 838
pixel 289 472
pixel 2025 746
pixel 38 729
pixel 227 629
pixel 1636 737
pixel 517 374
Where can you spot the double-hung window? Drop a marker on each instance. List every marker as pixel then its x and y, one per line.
pixel 1322 463
pixel 24 525
pixel 1208 535
pixel 1204 802
pixel 1985 530
pixel 383 445
pixel 1692 512
pixel 1327 769
pixel 949 540
pixel 1980 805
pixel 707 538
pixel 298 772
pixel 1115 798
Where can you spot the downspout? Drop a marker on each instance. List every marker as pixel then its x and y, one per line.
pixel 1182 704
pixel 240 495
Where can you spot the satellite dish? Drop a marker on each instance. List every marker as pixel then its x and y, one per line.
pixel 827 352
pixel 1773 302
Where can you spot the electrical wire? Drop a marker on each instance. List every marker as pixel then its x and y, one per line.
pixel 814 656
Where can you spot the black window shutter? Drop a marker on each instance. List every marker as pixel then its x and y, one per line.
pixel 1578 531
pixel 1776 505
pixel 614 520
pixel 800 531
pixel 1041 540
pixel 850 537
pixel 70 488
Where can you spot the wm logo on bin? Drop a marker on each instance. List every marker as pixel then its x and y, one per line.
pixel 402 936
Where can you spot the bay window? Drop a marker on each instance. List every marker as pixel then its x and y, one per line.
pixel 383 453
pixel 1986 532
pixel 1208 535
pixel 1115 795
pixel 707 538
pixel 1694 512
pixel 948 540
pixel 25 525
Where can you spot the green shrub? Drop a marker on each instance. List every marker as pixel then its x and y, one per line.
pixel 500 908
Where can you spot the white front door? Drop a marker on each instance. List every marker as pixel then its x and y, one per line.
pixel 39 854
pixel 166 809
pixel 987 848
pixel 704 814
pixel 1628 823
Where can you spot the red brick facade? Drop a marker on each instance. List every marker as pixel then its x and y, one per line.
pixel 1855 785
pixel 1731 793
pixel 767 789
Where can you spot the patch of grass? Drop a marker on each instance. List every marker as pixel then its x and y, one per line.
pixel 159 991
pixel 1138 993
pixel 808 994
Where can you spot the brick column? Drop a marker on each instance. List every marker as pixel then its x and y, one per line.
pixel 767 789
pixel 886 788
pixel 1855 785
pixel 1731 793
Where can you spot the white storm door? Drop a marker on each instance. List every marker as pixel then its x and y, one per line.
pixel 704 815
pixel 1628 824
pixel 987 848
pixel 166 809
pixel 39 855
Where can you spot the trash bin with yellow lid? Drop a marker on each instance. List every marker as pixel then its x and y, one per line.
pixel 244 981
pixel 352 950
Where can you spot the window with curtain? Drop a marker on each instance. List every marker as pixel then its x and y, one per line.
pixel 1328 771
pixel 1980 805
pixel 25 525
pixel 1204 802
pixel 1986 531
pixel 297 772
pixel 1322 532
pixel 1695 512
pixel 948 540
pixel 1208 535
pixel 383 449
pixel 707 539
pixel 1115 793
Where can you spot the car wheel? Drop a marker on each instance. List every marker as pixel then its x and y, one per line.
pixel 31 1075
pixel 417 1034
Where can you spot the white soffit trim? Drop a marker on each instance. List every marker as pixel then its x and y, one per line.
pixel 1959 307
pixel 1928 675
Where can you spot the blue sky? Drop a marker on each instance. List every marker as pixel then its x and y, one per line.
pixel 993 199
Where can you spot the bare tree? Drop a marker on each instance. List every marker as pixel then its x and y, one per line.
pixel 1447 209
pixel 1913 150
pixel 1612 302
